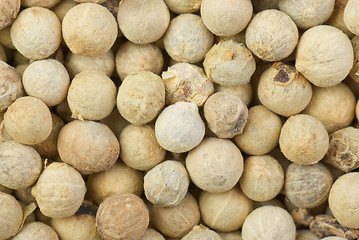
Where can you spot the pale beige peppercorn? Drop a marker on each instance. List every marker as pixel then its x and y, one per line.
pixel 183 6
pixel 36 33
pixel 8 12
pixel 186 82
pixel 333 238
pixel 152 234
pixel 36 231
pixel 28 120
pixel 90 1
pixel 63 7
pixel 39 3
pixel 272 35
pixel 4 189
pixel 357 110
pixel 262 129
pixel 187 39
pixel 3 56
pixel 5 38
pixel 132 58
pixel 243 92
pixel 115 122
pixel 88 146
pixel 120 178
pixel 225 211
pixel 201 232
pixel 122 216
pixel 81 22
pixel 143 22
pixel 305 234
pixel 324 55
pixel 283 90
pixel 354 72
pixel 235 235
pixel 229 63
pixel 337 17
pixel 11 216
pixel 24 195
pixel 350 16
pixel 303 139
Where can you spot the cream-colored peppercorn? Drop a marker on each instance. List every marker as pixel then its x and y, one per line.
pixel 225 211
pixel 152 234
pixel 226 18
pixel 122 216
pixel 357 110
pixel 63 7
pixel 243 92
pixel 337 17
pixel 80 226
pixel 10 83
pixel 24 195
pixel 90 1
pixel 176 221
pixel 186 82
pixel 115 122
pixel 350 16
pixel 262 129
pixel 179 128
pixel 141 97
pixel 229 63
pixel 132 58
pixel 305 235
pixel 333 106
pixel 47 80
pixel 139 147
pixel 183 6
pixel 36 231
pixel 59 191
pixel 202 232
pixel 226 114
pixel 28 120
pixel 118 179
pixel 270 223
pixel 166 184
pixel 307 13
pixel 20 165
pixel 143 22
pixel 215 165
pixel 272 35
pixel 88 146
pixel 313 180
pixel 36 33
pixel 303 139
pixel 63 110
pixel 8 12
pixel 324 55
pixel 81 22
pixel 91 95
pixel 235 235
pixel 39 3
pixel 187 38
pixel 5 38
pixel 283 90
pixel 262 178
pixel 343 152
pixel 354 72
pixel 76 64
pixel 333 238
pixel 11 216
pixel 344 200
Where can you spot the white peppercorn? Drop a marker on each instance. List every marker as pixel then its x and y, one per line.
pixel 36 231
pixel 261 5
pixel 24 195
pixel 272 35
pixel 354 72
pixel 88 146
pixel 115 122
pixel 324 55
pixel 8 12
pixel 357 110
pixel 305 235
pixel 39 3
pixel 81 22
pixel 3 56
pixel 202 232
pixel 235 235
pixel 187 38
pixel 243 92
pixel 152 234
pixel 183 6
pixel 90 1
pixel 63 7
pixel 333 238
pixel 186 82
pixel 11 216
pixel 229 63
pixel 337 17
pixel 36 33
pixel 4 189
pixel 5 38
pixel 350 17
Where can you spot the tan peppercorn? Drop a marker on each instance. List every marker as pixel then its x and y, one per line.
pixel 141 97
pixel 262 178
pixel 115 122
pixel 187 38
pixel 305 234
pixel 5 38
pixel 260 5
pixel 307 13
pixel 333 238
pixel 303 139
pixel 39 3
pixel 36 231
pixel 80 226
pixel 81 22
pixel 333 106
pixel 344 201
pixel 183 6
pixel 186 82
pixel 63 7
pixel 262 129
pixel 270 223
pixel 357 110
pixel 235 235
pixel 272 35
pixel 11 216
pixel 118 179
pixel 354 72
pixel 215 165
pixel 91 95
pixel 350 16
pixel 63 110
pixel 324 55
pixel 132 58
pixel 225 211
pixel 36 33
pixel 226 18
pixel 10 82
pixel 226 114
pixel 59 191
pixel 4 189
pixel 243 92
pixel 176 221
pixel 8 12
pixel 24 195
pixel 143 22
pixel 201 232
pixel 90 1
pixel 152 234
pixel 88 146
pixel 283 90
pixel 229 63
pixel 28 120
pixel 122 216
pixel 3 56
pixel 337 17
pixel 315 180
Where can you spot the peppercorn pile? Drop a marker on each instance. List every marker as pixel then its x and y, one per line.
pixel 179 119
